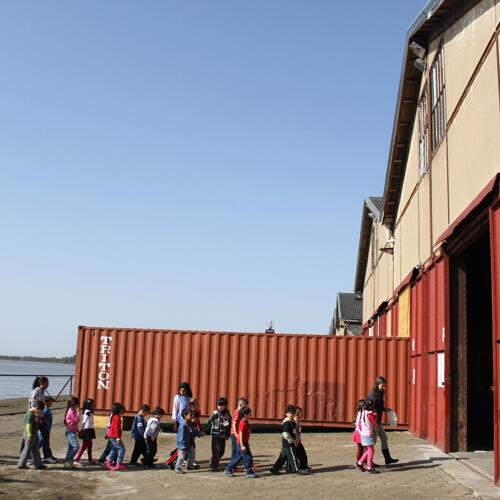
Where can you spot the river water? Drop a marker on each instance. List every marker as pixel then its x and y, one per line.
pixel 20 387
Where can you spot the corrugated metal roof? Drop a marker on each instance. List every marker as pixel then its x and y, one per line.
pixel 371 205
pixel 375 204
pixel 349 308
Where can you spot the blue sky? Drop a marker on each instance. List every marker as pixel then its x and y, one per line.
pixel 188 165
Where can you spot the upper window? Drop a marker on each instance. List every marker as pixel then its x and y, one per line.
pixel 438 111
pixel 375 243
pixel 431 114
pixel 423 135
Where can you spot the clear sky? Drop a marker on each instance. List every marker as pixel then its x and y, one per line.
pixel 195 165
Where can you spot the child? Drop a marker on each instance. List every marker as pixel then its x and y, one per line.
pixel 151 434
pixel 196 433
pixel 301 451
pixel 194 406
pixel 87 433
pixel 220 421
pixel 288 444
pixel 39 393
pixel 181 401
pixel 115 436
pixel 102 459
pixel 366 424
pixel 235 420
pixel 71 419
pixel 184 441
pixel 356 437
pixel 243 448
pixel 45 437
pixel 137 433
pixel 31 437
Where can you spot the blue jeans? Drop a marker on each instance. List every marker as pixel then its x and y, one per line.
pixel 117 450
pixel 73 445
pixel 246 456
pixel 234 448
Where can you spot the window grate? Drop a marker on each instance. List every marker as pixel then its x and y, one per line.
pixel 423 135
pixel 438 110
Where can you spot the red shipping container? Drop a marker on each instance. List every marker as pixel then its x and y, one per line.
pixel 325 375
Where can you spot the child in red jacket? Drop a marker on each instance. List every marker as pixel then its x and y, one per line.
pixel 115 437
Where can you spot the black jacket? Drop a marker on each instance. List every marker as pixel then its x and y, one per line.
pixel 378 399
pixel 221 423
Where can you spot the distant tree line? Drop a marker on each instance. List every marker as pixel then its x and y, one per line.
pixel 69 360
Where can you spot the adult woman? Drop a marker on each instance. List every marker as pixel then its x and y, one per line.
pixel 181 400
pixel 377 396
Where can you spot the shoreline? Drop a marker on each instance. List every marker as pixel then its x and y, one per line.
pixel 65 360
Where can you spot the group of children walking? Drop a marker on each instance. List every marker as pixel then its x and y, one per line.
pixel 186 415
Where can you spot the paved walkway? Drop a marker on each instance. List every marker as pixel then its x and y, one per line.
pixel 423 472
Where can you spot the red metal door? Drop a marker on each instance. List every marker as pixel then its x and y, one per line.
pixel 495 284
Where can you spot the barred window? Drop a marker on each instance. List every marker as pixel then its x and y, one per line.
pixel 423 135
pixel 375 243
pixel 438 111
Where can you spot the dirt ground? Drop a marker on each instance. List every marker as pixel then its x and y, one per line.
pixel 331 454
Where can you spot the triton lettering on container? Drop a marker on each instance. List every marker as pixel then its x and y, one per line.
pixel 324 374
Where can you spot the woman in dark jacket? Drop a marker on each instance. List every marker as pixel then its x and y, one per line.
pixel 377 396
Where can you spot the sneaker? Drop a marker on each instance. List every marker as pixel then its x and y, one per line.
pixel 254 468
pixel 303 472
pixel 119 466
pixel 193 467
pixel 29 462
pixel 179 471
pixel 238 469
pixel 371 471
pixel 50 460
pixel 251 475
pixel 23 467
pixel 41 467
pixel 274 472
pixel 101 462
pixel 93 462
pixel 68 465
pixel 228 473
pixel 359 466
pixel 78 464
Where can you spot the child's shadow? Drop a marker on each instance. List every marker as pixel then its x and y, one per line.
pixel 416 464
pixel 332 468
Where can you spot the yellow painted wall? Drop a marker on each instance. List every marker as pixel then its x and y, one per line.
pixel 368 306
pixel 411 173
pixel 439 181
pixel 409 236
pixel 397 257
pixel 404 313
pixel 424 227
pixel 474 140
pixel 464 43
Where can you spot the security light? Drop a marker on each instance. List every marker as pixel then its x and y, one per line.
pixel 417 49
pixel 419 64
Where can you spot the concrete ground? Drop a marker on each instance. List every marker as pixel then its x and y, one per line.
pixel 423 471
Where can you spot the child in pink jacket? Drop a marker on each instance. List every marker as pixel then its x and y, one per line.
pixel 71 419
pixel 366 425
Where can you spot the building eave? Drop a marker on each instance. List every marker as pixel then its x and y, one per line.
pixel 434 19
